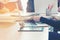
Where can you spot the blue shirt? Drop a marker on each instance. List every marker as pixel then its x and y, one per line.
pixel 53 23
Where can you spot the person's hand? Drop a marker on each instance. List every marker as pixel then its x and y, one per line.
pixel 36 18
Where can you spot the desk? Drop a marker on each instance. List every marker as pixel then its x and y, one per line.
pixel 10 32
pixel 35 35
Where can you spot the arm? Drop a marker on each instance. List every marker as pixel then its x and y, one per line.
pixel 50 22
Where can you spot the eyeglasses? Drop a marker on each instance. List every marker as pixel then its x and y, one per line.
pixel 8 7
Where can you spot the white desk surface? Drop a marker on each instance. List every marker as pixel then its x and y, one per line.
pixel 11 33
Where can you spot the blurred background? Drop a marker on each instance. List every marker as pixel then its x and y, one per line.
pixel 10 10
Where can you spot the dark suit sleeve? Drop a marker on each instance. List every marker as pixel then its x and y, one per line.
pixel 50 22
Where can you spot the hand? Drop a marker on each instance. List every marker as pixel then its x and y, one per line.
pixel 21 24
pixel 36 18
